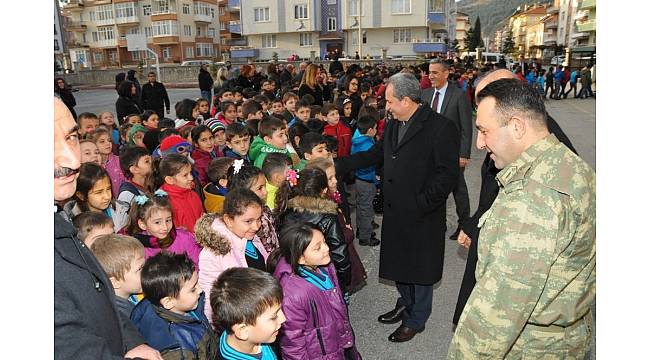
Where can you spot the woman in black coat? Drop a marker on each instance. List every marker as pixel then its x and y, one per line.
pixel 309 203
pixel 65 93
pixel 351 90
pixel 311 84
pixel 126 103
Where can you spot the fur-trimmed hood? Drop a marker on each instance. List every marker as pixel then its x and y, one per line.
pixel 312 204
pixel 211 233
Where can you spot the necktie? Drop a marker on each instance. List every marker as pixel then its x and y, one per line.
pixel 434 104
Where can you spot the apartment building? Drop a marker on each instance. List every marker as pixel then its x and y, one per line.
pixel 59 43
pixel 585 24
pixel 462 26
pixel 322 27
pixel 230 27
pixel 519 23
pixel 177 30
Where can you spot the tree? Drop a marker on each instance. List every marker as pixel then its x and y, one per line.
pixel 469 40
pixel 476 40
pixel 508 45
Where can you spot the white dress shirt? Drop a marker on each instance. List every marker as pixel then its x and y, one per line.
pixel 441 96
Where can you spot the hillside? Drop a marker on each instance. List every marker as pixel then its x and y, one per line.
pixel 493 13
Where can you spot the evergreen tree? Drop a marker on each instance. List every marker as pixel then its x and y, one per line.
pixel 469 38
pixel 508 45
pixel 477 39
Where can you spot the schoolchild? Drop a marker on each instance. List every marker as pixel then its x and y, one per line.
pixel 203 151
pixel 175 171
pixel 91 224
pixel 89 153
pixel 275 169
pixel 215 191
pixel 135 164
pixel 238 142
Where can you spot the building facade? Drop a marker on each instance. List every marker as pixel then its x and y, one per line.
pixel 177 30
pixel 462 26
pixel 519 23
pixel 59 39
pixel 230 27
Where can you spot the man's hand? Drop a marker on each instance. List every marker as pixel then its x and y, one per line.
pixel 464 240
pixel 463 162
pixel 143 351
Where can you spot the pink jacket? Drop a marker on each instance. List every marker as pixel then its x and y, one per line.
pixel 184 242
pixel 213 264
pixel 115 173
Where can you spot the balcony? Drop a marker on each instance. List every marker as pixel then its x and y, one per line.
pixel 203 18
pixel 429 47
pixel 552 10
pixel 76 26
pixel 586 26
pixel 587 4
pixel 550 25
pixel 165 39
pixel 234 27
pixel 128 20
pixel 436 18
pixel 579 35
pixel 237 42
pixel 106 43
pixel 105 22
pixel 74 5
pixel 234 5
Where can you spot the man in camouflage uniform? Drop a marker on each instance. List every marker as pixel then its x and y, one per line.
pixel 537 255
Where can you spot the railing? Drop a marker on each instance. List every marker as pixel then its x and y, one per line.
pixel 235 27
pixel 203 18
pixel 126 20
pixel 104 43
pixel 587 4
pixel 584 26
pixel 105 22
pixel 436 18
pixel 234 4
pixel 75 25
pixel 237 42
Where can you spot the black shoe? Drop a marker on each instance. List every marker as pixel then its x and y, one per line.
pixel 403 334
pixel 373 241
pixel 393 316
pixel 454 236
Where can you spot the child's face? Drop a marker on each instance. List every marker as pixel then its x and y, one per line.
pixel 104 144
pixel 90 153
pixel 303 113
pixel 107 119
pixel 183 179
pixel 99 197
pixel 279 139
pixel 131 283
pixel 265 106
pixel 230 114
pixel 204 107
pixel 277 107
pixel 152 122
pixel 159 223
pixel 87 125
pixel 188 297
pixel 195 112
pixel 142 167
pixel 317 152
pixel 245 225
pixel 266 326
pixel 259 187
pixel 237 96
pixel 240 144
pixel 206 141
pixel 134 120
pixel 347 109
pixel 138 139
pixel 364 95
pixel 317 253
pixel 332 117
pixel 278 177
pixel 331 179
pixel 258 115
pixel 291 104
pixel 96 232
pixel 227 96
pixel 240 112
pixel 266 86
pixel 220 138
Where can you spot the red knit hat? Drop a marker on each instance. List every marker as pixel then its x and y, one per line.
pixel 173 145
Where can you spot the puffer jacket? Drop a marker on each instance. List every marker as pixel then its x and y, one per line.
pixel 322 213
pixel 317 326
pixel 214 259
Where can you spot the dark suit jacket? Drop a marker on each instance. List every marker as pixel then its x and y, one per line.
pixel 455 107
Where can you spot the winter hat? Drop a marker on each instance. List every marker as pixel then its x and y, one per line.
pixel 181 123
pixel 174 144
pixel 134 130
pixel 215 125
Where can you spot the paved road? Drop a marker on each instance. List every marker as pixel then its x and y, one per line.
pixel 576 117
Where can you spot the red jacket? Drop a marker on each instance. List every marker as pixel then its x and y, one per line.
pixel 201 162
pixel 343 135
pixel 186 206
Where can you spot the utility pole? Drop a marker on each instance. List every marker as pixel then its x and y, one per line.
pixel 360 35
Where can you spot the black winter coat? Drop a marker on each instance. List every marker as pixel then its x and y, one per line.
pixel 68 99
pixel 419 174
pixel 87 324
pixel 322 213
pixel 154 97
pixel 126 106
pixel 205 80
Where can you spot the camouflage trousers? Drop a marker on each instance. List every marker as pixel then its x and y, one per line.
pixel 554 342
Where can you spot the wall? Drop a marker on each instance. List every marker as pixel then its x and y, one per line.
pixel 286 45
pixel 376 39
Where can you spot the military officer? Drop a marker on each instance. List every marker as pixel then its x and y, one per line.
pixel 537 255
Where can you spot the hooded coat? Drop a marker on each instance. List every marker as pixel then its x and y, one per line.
pixel 187 206
pixel 322 213
pixel 214 259
pixel 317 325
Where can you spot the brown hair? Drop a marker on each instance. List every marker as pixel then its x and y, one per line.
pixel 115 253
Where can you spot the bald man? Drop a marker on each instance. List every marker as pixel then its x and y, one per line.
pixel 87 324
pixel 468 237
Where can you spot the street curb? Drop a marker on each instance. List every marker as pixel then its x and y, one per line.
pixel 168 86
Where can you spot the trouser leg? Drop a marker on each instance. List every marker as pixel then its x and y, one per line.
pixel 418 299
pixel 461 198
pixel 365 212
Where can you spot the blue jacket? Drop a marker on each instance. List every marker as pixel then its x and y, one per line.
pixel 559 75
pixel 166 331
pixel 362 143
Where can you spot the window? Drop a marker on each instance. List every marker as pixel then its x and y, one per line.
pixel 104 13
pixel 211 33
pixel 212 12
pixel 163 6
pixel 305 39
pixel 223 41
pixel 401 6
pixel 204 49
pixel 222 26
pixel 436 5
pixel 300 11
pixel 56 45
pixel 198 31
pixel 165 28
pixel 105 33
pixel 98 57
pixel 222 11
pixel 201 9
pixel 187 30
pixel 331 24
pixel 262 14
pixel 269 41
pixel 186 9
pixel 83 38
pixel 401 36
pixel 95 36
pixel 124 10
pixel 135 30
pixel 167 52
pixel 135 55
pixel 353 7
pixel 148 31
pixel 189 52
pixel 146 10
pixel 331 2
pixel 91 16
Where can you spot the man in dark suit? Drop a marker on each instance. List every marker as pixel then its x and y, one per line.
pixel 419 151
pixel 523 64
pixel 449 100
pixel 154 96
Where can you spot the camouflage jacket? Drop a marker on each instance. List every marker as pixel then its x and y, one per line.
pixel 537 254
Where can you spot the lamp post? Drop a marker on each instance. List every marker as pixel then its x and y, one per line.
pixel 360 36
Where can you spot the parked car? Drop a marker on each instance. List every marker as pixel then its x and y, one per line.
pixel 558 60
pixel 195 62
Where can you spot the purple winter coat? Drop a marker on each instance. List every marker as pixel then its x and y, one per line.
pixel 317 326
